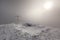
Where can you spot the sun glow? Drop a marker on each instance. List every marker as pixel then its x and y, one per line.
pixel 48 5
pixel 38 11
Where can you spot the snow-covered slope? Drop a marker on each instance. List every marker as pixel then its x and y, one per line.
pixel 21 32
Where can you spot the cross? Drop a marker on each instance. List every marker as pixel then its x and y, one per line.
pixel 17 19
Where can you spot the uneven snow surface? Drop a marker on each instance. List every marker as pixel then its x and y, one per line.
pixel 21 32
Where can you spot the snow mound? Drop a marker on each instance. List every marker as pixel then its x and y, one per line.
pixel 21 32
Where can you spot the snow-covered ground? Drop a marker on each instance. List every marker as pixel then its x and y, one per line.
pixel 22 32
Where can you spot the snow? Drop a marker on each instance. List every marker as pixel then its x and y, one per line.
pixel 20 32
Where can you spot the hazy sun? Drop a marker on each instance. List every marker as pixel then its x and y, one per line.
pixel 48 5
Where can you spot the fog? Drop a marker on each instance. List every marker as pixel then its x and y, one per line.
pixel 31 11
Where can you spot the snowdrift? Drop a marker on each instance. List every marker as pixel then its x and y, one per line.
pixel 21 32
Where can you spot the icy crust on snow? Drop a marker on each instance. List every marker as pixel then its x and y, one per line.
pixel 16 32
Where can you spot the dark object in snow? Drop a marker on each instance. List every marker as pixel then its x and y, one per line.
pixel 28 25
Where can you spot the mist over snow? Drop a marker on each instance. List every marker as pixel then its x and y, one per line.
pixel 28 32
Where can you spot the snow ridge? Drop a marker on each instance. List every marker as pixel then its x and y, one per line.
pixel 16 32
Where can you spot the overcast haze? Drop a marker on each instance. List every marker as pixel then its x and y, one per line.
pixel 23 8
